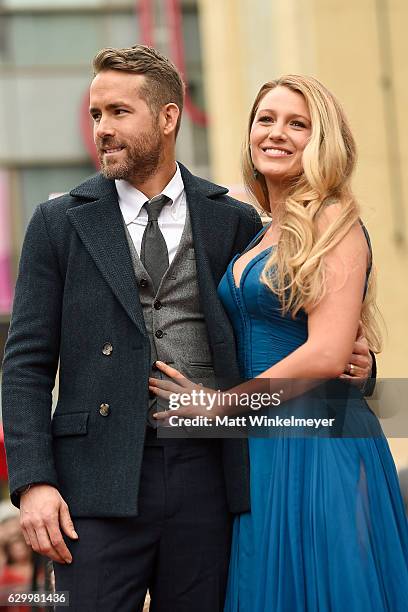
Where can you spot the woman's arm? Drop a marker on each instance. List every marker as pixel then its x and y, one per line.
pixel 333 323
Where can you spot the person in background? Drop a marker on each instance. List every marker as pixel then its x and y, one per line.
pixel 16 566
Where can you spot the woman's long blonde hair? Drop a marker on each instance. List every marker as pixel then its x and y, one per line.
pixel 295 270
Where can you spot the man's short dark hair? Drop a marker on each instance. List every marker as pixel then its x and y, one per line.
pixel 163 81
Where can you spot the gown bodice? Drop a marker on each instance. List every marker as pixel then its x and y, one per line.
pixel 263 334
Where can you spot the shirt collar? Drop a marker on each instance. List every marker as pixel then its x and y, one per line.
pixel 131 199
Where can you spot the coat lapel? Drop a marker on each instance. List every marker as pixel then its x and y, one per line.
pixel 213 224
pixel 99 224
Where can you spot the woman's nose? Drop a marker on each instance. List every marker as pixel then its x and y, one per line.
pixel 277 131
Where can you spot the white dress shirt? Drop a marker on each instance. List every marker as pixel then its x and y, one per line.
pixel 172 216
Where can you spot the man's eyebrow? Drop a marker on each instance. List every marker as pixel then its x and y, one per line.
pixel 112 106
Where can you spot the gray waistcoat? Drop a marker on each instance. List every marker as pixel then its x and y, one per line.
pixel 173 316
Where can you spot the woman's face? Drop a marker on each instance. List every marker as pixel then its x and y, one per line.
pixel 280 131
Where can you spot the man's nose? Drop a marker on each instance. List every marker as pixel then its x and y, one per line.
pixel 103 128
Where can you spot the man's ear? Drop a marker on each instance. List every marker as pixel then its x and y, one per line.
pixel 170 114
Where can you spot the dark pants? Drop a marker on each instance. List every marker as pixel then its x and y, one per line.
pixel 177 547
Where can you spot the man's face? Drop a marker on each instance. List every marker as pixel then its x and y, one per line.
pixel 126 133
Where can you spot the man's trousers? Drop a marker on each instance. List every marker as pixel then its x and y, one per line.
pixel 177 547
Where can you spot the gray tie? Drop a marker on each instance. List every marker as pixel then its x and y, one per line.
pixel 154 254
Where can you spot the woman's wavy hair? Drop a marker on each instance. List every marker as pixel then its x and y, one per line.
pixel 295 270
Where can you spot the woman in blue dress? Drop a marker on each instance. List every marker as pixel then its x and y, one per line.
pixel 327 529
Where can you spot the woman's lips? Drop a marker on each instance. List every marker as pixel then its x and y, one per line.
pixel 273 152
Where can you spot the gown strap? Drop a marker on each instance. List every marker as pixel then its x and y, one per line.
pixel 255 239
pixel 370 264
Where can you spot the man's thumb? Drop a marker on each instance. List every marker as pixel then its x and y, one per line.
pixel 67 524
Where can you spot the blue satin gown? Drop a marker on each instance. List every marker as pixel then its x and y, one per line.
pixel 327 531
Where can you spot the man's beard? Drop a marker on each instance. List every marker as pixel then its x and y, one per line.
pixel 143 157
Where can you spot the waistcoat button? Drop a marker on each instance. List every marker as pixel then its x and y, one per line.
pixel 159 334
pixel 157 304
pixel 143 282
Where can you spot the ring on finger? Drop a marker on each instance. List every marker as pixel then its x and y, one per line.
pixel 352 367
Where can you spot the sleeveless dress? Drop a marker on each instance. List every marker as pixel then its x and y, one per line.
pixel 327 530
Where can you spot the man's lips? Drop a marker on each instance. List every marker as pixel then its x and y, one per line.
pixel 111 150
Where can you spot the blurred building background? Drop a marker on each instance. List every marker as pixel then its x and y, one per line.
pixel 226 50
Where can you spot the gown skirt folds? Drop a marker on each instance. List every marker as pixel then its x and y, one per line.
pixel 327 530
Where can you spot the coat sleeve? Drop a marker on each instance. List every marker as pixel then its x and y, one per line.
pixel 31 361
pixel 369 386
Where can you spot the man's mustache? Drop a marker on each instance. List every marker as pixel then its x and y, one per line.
pixel 102 145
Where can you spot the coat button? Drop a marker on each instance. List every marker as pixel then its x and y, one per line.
pixel 104 410
pixel 159 334
pixel 107 349
pixel 157 304
pixel 143 282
